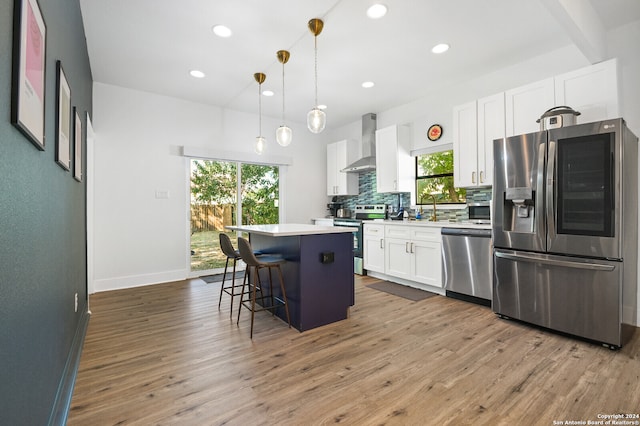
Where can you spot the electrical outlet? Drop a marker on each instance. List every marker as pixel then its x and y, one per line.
pixel 76 303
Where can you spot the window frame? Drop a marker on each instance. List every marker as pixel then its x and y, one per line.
pixel 418 178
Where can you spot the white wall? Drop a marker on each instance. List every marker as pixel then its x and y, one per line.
pixel 140 239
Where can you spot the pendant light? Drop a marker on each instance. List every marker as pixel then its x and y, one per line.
pixel 283 134
pixel 260 141
pixel 316 118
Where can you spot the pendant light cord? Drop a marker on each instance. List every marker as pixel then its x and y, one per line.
pixel 283 94
pixel 259 110
pixel 315 47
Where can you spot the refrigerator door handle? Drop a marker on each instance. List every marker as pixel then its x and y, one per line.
pixel 553 262
pixel 539 201
pixel 551 196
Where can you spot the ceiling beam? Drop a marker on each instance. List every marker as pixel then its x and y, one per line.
pixel 582 24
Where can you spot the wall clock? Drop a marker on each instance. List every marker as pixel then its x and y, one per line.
pixel 434 132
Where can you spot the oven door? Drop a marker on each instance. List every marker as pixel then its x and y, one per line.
pixel 357 241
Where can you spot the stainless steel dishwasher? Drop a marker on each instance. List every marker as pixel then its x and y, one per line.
pixel 467 262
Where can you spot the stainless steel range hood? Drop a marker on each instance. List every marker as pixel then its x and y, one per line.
pixel 368 160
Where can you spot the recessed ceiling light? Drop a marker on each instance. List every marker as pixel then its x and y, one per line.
pixel 221 31
pixel 267 92
pixel 196 73
pixel 368 84
pixel 377 11
pixel 440 48
pixel 322 106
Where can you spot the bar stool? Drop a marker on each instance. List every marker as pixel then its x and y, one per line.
pixel 232 254
pixel 265 261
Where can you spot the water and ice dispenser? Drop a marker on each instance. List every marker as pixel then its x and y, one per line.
pixel 519 209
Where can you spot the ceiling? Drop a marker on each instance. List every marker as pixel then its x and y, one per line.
pixel 151 45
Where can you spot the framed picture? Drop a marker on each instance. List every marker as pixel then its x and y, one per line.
pixel 28 85
pixel 77 150
pixel 63 119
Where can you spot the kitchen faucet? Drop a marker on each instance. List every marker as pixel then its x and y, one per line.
pixel 434 217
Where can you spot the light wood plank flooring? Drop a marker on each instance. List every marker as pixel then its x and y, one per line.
pixel 165 355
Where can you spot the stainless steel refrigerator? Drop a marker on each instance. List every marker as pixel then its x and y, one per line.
pixel 565 205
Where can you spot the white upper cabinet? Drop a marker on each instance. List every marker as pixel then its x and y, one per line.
pixel 491 126
pixel 339 155
pixel 395 167
pixel 525 104
pixel 592 91
pixel 475 126
pixel 465 145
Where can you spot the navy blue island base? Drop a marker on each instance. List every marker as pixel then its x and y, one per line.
pixel 318 275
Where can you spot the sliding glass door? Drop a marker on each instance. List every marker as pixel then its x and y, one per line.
pixel 225 193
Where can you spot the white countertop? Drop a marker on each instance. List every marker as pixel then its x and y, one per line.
pixel 291 229
pixel 426 223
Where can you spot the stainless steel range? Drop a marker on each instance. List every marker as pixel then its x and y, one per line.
pixel 361 214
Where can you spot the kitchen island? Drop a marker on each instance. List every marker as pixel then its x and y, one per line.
pixel 318 272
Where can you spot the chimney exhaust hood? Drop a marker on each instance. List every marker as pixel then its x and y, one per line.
pixel 368 160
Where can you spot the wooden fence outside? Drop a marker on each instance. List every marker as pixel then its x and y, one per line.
pixel 205 217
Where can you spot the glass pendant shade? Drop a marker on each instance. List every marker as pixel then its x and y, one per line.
pixel 261 142
pixel 316 120
pixel 284 135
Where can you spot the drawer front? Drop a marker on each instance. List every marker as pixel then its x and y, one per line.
pixel 420 233
pixel 391 231
pixel 374 230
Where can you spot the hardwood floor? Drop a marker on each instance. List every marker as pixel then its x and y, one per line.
pixel 165 355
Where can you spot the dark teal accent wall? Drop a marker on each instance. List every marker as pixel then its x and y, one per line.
pixel 42 235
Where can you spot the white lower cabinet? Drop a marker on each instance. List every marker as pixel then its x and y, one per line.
pixel 414 253
pixel 373 247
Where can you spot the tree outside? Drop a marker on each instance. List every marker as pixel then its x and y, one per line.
pixel 214 184
pixel 435 179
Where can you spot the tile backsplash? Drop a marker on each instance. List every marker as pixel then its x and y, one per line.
pixel 369 195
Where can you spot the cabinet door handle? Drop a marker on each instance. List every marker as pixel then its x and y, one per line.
pixel 473 177
pixel 381 243
pixel 481 177
pixel 406 247
pixel 412 248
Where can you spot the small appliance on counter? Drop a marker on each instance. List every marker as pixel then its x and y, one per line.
pixel 397 215
pixel 480 213
pixel 399 212
pixel 334 206
pixel 556 117
pixel 343 213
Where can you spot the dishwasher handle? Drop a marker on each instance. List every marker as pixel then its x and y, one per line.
pixel 466 232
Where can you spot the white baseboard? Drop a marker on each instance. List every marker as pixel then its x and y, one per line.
pixel 119 283
pixel 630 317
